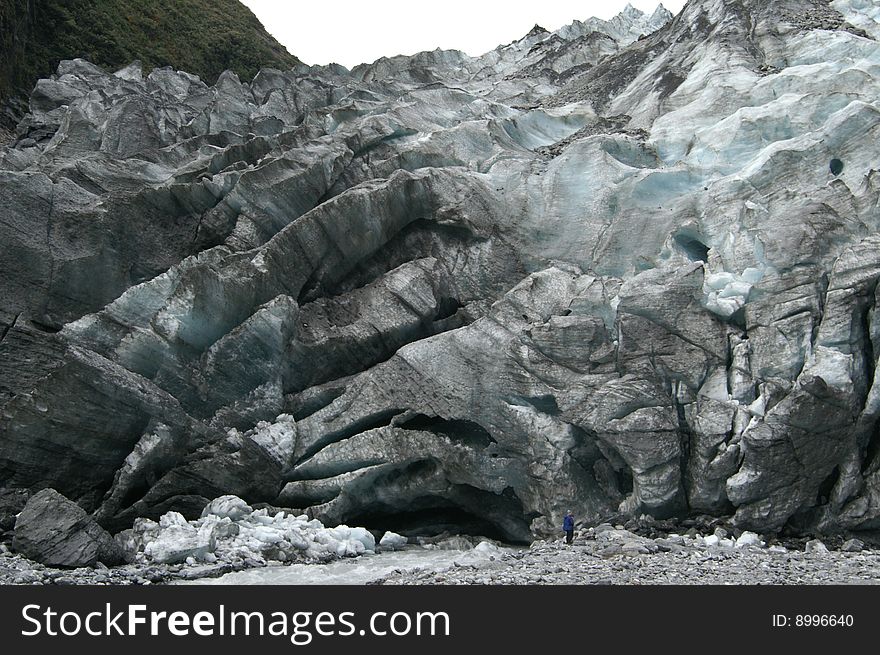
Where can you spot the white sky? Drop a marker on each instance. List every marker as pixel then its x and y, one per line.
pixel 350 32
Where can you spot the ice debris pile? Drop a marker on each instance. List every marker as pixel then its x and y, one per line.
pixel 727 293
pixel 230 530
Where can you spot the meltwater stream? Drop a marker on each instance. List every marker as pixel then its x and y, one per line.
pixel 360 570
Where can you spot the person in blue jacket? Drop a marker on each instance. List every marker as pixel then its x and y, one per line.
pixel 568 527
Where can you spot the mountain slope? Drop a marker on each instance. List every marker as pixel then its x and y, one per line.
pixel 200 36
pixel 586 270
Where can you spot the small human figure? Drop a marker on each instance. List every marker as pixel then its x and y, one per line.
pixel 568 526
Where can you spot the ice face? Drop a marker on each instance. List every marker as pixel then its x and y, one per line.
pixel 448 292
pixel 863 14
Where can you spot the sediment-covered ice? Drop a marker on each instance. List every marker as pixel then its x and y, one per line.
pixel 626 267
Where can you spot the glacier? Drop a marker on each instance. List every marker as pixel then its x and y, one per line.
pixel 607 268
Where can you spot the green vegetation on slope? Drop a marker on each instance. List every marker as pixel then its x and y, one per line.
pixel 204 37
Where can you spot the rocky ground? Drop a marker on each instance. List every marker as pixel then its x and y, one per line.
pixel 624 554
pixel 609 555
pixel 17 570
pixel 55 542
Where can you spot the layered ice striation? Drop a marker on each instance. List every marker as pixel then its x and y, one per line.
pixel 609 269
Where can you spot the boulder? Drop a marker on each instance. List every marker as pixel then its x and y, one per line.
pixel 816 547
pixel 55 531
pixel 853 546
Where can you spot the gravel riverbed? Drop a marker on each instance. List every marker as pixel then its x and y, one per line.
pixel 609 556
pixel 18 570
pixel 634 554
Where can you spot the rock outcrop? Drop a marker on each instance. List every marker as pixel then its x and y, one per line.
pixel 610 268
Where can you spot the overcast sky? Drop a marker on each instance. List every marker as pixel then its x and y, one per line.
pixel 351 32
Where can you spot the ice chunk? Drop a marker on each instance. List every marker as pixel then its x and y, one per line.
pixel 297 540
pixel 175 544
pixel 232 507
pixel 747 539
pixel 735 289
pixel 225 528
pixel 354 548
pixel 724 293
pixel 724 307
pixel 277 439
pixel 487 547
pixel 208 534
pixel 363 536
pixel 267 535
pixel 392 541
pixel 170 519
pixel 717 281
